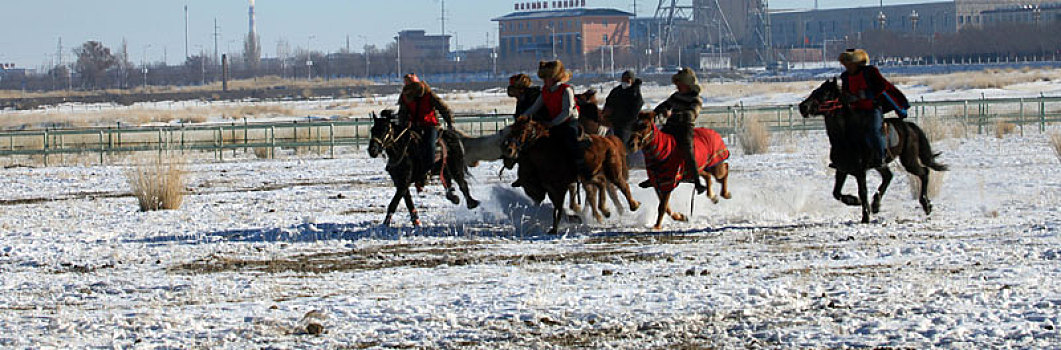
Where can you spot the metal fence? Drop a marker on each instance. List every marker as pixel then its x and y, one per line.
pixel 324 136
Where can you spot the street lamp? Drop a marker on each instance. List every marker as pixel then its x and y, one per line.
pixel 914 18
pixel 552 39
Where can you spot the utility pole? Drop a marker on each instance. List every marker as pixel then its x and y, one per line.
pixel 399 55
pixel 217 34
pixel 185 32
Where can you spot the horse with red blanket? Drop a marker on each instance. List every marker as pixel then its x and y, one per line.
pixel 665 166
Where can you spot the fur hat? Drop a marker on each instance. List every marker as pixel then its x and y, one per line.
pixel 520 81
pixel 858 56
pixel 415 90
pixel 629 74
pixel 411 78
pixel 687 77
pixel 553 70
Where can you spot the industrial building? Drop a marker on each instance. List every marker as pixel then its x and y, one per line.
pixel 562 30
pixel 416 44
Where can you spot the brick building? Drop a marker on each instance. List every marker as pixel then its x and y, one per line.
pixel 416 44
pixel 565 33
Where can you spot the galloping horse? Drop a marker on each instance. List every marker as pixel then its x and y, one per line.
pixel 545 172
pixel 400 144
pixel 851 156
pixel 663 164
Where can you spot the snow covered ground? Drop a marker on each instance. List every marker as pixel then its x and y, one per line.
pixel 261 249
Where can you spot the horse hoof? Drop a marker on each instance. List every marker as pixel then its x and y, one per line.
pixel 679 217
pixel 657 227
pixel 416 222
pixel 727 195
pixel 714 199
pixel 634 206
pixel 453 198
pixel 606 213
pixel 472 204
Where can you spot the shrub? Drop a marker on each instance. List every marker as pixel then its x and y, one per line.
pixel 754 138
pixel 157 185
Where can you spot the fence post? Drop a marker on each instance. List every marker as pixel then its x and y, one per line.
pixel 331 139
pixel 101 147
pixel 1021 121
pixel 221 143
pixel 1042 113
pixel 159 146
pixel 45 148
pixel 272 142
pixel 246 134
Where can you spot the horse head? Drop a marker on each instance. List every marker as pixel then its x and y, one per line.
pixel 822 100
pixel 382 133
pixel 524 132
pixel 642 131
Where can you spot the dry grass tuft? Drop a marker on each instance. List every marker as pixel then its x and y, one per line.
pixel 938 129
pixel 1004 128
pixel 754 137
pixel 1055 140
pixel 986 79
pixel 935 183
pixel 158 184
pixel 262 152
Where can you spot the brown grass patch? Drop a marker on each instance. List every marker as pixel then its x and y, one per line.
pixel 1004 128
pixel 754 137
pixel 938 129
pixel 986 79
pixel 158 184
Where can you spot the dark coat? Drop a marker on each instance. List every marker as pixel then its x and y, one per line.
pixel 624 104
pixel 526 100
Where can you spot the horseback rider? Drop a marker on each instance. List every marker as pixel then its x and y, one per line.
pixel 681 110
pixel 418 109
pixel 623 104
pixel 869 95
pixel 522 89
pixel 558 100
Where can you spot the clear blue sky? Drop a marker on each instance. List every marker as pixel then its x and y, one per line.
pixel 31 29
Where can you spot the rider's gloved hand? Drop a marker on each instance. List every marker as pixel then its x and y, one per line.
pixel 902 113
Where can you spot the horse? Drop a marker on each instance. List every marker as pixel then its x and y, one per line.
pixel 851 156
pixel 482 148
pixel 663 163
pixel 543 174
pixel 399 144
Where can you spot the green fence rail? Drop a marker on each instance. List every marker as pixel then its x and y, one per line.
pixel 324 136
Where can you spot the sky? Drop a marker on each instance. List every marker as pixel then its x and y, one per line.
pixel 155 28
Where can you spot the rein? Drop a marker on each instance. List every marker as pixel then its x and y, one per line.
pixel 830 106
pixel 389 140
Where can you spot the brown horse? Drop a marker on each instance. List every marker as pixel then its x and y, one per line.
pixel 851 156
pixel 544 170
pixel 662 164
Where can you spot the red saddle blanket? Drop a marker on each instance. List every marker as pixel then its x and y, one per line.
pixel 665 165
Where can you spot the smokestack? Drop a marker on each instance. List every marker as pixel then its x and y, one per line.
pixel 253 30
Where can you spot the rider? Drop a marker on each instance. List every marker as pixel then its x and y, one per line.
pixel 681 110
pixel 870 96
pixel 417 108
pixel 558 99
pixel 521 88
pixel 623 104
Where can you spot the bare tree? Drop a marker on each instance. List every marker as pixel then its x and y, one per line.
pixel 93 60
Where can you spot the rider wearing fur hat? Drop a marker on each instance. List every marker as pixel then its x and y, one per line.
pixel 558 100
pixel 418 108
pixel 870 95
pixel 681 110
pixel 523 90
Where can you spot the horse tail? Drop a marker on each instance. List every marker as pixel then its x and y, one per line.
pixel 927 157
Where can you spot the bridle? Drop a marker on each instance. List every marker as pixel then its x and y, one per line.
pixel 830 106
pixel 649 133
pixel 389 140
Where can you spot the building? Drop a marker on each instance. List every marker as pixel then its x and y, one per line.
pixel 798 28
pixel 416 45
pixel 543 33
pixel 1028 14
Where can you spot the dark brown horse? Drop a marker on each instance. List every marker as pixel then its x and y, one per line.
pixel 662 166
pixel 851 156
pixel 400 144
pixel 545 171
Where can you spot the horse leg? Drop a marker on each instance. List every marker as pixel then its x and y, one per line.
pixel 615 176
pixel 913 165
pixel 557 197
pixel 414 216
pixel 663 208
pixel 573 192
pixel 593 192
pixel 707 183
pixel 451 194
pixel 613 194
pixel 722 175
pixel 862 194
pixel 400 192
pixel 838 187
pixel 886 179
pixel 462 182
pixel 602 199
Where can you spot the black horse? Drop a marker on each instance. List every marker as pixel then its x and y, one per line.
pixel 400 145
pixel 851 156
